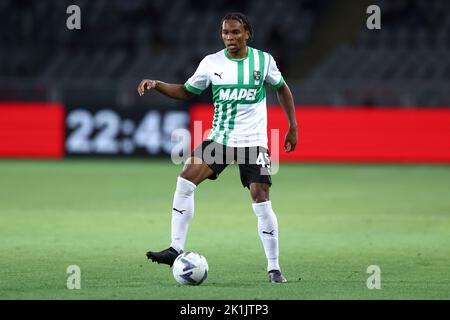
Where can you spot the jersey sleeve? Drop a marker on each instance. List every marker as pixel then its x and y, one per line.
pixel 200 80
pixel 274 77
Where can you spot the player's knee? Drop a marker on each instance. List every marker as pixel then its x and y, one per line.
pixel 261 198
pixel 188 175
pixel 260 195
pixel 194 170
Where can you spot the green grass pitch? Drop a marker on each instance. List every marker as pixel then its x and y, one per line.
pixel 334 222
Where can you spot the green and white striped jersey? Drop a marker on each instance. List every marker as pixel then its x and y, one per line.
pixel 239 96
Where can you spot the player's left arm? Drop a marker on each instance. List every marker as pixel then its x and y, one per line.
pixel 286 101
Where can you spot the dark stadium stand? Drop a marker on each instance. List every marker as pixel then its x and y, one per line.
pixel 407 62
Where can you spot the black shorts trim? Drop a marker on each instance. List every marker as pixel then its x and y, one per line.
pixel 254 162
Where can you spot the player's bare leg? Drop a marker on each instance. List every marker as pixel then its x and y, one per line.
pixel 194 172
pixel 267 229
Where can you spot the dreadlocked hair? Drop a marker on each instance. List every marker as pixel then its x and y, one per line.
pixel 242 18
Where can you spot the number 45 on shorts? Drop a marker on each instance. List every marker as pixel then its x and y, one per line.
pixel 263 160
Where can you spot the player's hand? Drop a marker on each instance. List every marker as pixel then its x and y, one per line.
pixel 146 84
pixel 290 140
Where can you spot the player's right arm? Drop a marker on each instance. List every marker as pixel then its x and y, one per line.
pixel 175 91
pixel 194 85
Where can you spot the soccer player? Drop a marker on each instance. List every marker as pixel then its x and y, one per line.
pixel 239 133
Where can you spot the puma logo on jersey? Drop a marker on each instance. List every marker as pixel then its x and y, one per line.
pixel 219 75
pixel 237 94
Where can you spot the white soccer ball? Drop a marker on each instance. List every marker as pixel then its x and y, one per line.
pixel 190 268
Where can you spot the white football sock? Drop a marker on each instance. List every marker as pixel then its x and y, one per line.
pixel 182 212
pixel 268 232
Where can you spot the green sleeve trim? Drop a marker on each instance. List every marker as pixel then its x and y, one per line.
pixel 192 89
pixel 279 84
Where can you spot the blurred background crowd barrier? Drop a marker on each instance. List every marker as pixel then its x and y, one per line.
pixel 328 56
